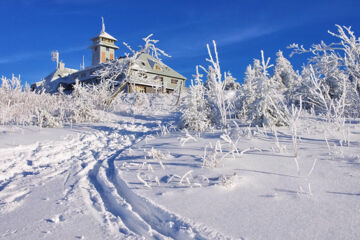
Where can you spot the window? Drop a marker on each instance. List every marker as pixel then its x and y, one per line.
pixel 107 49
pixel 83 75
pixel 142 75
pixel 140 88
pixel 157 67
pixel 158 79
pixel 174 81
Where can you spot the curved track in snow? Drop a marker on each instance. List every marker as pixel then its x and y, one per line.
pixel 86 163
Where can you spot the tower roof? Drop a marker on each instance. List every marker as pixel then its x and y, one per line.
pixel 105 35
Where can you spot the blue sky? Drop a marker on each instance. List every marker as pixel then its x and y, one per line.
pixel 31 29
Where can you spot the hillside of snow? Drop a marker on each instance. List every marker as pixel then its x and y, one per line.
pixel 134 175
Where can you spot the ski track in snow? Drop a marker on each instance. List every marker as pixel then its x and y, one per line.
pixel 86 162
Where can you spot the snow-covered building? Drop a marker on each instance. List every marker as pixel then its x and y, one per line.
pixel 146 74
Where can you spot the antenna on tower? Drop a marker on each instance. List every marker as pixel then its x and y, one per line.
pixel 55 57
pixel 103 24
pixel 82 66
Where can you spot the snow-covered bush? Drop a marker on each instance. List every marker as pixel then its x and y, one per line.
pixel 212 156
pixel 83 103
pixel 21 106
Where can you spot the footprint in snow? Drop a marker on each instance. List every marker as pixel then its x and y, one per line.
pixel 56 219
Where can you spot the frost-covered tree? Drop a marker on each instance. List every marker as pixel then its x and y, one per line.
pixel 195 111
pixel 333 74
pixel 230 82
pixel 247 90
pixel 212 102
pixel 220 90
pixel 215 86
pixel 286 78
pixel 260 93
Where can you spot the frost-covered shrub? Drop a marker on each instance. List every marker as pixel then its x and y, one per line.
pixel 145 103
pixel 141 100
pixel 83 105
pixel 20 106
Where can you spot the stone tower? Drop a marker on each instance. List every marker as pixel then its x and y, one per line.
pixel 103 47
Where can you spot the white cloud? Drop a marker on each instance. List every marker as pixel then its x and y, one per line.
pixel 247 34
pixel 230 36
pixel 20 57
pixel 31 55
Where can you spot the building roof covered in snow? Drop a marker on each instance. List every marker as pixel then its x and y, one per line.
pixel 104 35
pixel 149 64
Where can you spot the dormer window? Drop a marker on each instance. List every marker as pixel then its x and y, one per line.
pixel 157 67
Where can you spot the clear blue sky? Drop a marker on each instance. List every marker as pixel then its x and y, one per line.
pixel 31 29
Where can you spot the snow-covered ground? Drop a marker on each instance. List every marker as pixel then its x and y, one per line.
pixel 136 177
